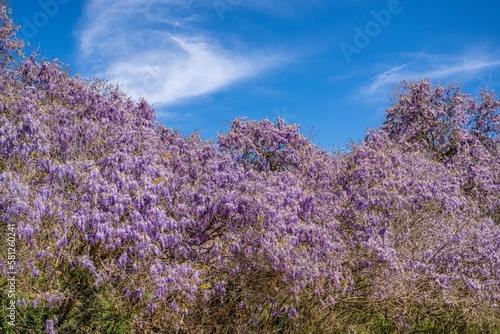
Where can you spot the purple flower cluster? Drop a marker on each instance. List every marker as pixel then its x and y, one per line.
pixel 176 230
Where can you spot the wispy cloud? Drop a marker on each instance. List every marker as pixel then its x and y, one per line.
pixel 436 67
pixel 157 49
pixel 189 68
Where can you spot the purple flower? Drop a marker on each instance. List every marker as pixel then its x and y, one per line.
pixel 49 327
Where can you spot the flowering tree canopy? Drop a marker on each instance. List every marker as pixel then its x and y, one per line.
pixel 442 120
pixel 123 225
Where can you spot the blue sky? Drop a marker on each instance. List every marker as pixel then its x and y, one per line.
pixel 329 66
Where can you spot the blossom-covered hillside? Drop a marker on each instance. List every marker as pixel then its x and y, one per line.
pixel 123 225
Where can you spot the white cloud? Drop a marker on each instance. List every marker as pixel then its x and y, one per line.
pixel 191 69
pixel 435 67
pixel 156 50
